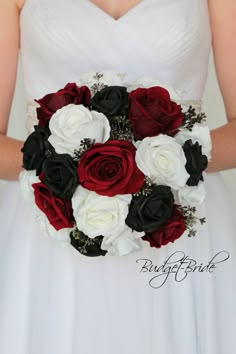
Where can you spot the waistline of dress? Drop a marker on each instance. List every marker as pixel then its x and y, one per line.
pixel 31 113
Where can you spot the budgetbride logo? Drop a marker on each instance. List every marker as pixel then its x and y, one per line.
pixel 178 266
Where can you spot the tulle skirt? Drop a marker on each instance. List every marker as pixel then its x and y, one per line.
pixel 177 299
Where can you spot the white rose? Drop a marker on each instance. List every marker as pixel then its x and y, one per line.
pixel 146 82
pixel 48 230
pixel 105 77
pixel 26 179
pixel 190 195
pixel 121 244
pixel 200 133
pixel 99 215
pixel 163 160
pixel 73 123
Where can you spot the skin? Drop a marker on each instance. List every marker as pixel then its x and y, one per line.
pixel 224 48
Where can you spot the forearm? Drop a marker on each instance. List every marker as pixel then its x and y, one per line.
pixel 10 158
pixel 223 148
pixel 223 152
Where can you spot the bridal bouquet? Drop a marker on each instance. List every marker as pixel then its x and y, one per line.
pixel 111 166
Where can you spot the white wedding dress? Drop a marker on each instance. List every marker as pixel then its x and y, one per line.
pixel 54 300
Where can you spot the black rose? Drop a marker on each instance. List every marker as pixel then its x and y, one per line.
pixel 90 247
pixel 111 101
pixel 147 213
pixel 34 149
pixel 59 175
pixel 196 162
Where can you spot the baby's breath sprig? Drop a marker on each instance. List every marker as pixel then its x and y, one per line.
pixel 84 145
pixel 121 129
pixel 146 189
pixel 191 219
pixel 191 118
pixel 97 86
pixel 84 242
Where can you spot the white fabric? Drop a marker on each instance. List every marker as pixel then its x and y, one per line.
pixel 53 300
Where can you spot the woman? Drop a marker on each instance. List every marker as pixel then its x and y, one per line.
pixel 56 301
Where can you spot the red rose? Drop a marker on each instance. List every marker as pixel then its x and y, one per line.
pixel 109 169
pixel 58 211
pixel 169 231
pixel 50 103
pixel 151 112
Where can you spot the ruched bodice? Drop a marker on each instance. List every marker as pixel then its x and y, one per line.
pixel 168 40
